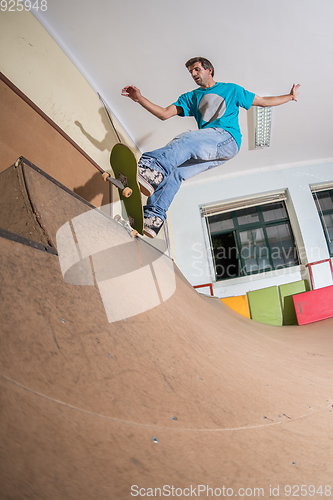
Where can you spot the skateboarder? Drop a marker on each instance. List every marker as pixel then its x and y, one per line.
pixel 215 106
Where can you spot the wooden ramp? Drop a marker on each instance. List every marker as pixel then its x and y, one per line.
pixel 187 393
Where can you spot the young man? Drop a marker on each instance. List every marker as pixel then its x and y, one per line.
pixel 215 106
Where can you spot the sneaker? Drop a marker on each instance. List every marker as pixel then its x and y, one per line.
pixel 152 225
pixel 149 179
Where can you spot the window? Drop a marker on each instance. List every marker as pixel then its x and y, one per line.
pixel 251 240
pixel 324 202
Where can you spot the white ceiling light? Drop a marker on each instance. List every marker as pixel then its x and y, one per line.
pixel 263 122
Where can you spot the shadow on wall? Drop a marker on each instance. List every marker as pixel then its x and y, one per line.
pixel 110 138
pixel 92 188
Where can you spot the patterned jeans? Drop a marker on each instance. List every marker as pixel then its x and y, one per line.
pixel 185 156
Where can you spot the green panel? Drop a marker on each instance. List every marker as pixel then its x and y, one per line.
pixel 265 306
pixel 286 292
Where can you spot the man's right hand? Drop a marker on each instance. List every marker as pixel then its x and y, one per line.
pixel 131 92
pixel 161 113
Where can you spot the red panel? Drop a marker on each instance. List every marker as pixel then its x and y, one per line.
pixel 314 306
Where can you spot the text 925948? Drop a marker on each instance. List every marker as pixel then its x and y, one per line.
pixel 23 5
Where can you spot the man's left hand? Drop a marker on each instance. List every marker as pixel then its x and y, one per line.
pixel 294 91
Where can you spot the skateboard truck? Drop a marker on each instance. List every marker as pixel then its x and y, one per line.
pixel 120 184
pixel 126 225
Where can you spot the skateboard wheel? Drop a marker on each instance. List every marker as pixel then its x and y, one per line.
pixel 127 192
pixel 18 161
pixel 117 217
pixel 134 233
pixel 105 176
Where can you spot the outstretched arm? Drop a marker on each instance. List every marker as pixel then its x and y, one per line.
pixel 276 100
pixel 161 113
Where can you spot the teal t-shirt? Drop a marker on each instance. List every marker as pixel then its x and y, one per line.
pixel 217 106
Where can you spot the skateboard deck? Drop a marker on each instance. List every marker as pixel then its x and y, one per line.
pixel 125 169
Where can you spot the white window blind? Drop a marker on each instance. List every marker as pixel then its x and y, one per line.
pixel 238 205
pixel 322 187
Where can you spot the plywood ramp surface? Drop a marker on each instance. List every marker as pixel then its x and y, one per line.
pixel 186 393
pixel 25 130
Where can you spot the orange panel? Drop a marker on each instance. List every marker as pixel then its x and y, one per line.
pixel 239 304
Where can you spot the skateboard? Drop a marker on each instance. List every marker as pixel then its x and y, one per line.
pixel 125 169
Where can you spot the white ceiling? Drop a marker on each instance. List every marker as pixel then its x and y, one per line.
pixel 263 45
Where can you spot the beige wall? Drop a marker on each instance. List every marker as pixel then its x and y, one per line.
pixel 33 61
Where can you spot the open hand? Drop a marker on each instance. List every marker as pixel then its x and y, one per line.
pixel 131 92
pixel 294 91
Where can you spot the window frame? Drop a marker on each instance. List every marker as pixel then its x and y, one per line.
pixel 239 228
pixel 323 212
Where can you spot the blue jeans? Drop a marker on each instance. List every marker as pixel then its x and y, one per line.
pixel 185 156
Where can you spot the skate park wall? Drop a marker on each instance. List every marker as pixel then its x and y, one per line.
pixel 33 62
pixel 192 247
